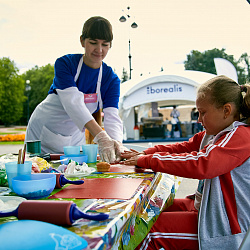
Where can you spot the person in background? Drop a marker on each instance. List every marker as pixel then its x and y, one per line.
pixel 82 86
pixel 219 216
pixel 196 126
pixel 175 114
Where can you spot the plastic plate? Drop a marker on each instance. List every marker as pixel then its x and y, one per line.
pixel 10 203
pixel 4 190
pixel 80 174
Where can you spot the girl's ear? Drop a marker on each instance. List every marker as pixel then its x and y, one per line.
pixel 227 109
pixel 82 41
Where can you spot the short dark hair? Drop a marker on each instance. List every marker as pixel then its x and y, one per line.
pixel 97 28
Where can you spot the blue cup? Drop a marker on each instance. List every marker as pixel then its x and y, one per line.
pixel 71 150
pixel 13 169
pixel 91 151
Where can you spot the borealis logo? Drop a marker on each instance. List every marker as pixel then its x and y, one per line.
pixel 174 88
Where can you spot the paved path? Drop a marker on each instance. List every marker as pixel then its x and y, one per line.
pixel 14 149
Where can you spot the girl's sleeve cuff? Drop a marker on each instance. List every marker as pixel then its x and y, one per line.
pixel 144 161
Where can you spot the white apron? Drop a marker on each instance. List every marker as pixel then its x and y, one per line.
pixel 92 106
pixel 52 125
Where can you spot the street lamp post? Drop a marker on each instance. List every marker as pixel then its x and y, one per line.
pixel 28 88
pixel 133 25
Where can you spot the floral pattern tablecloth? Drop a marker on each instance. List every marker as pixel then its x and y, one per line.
pixel 129 220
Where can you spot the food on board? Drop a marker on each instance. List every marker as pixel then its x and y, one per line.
pixel 103 167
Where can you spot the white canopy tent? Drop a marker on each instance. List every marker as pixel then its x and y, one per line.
pixel 166 90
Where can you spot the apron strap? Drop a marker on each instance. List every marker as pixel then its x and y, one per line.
pixel 78 69
pixel 98 88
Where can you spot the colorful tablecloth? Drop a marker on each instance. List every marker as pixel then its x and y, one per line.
pixel 130 219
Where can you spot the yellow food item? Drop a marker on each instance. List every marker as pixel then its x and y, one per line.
pixel 103 167
pixel 40 162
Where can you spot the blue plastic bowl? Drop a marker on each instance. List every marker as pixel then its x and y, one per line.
pixel 34 186
pixel 71 150
pixel 80 158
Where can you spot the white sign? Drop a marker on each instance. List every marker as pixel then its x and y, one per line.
pixel 160 92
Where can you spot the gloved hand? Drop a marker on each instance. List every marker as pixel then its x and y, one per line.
pixel 119 148
pixel 106 147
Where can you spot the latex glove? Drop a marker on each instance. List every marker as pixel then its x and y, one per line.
pixel 106 147
pixel 119 149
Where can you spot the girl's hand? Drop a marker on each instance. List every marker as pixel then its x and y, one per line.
pixel 128 154
pixel 132 161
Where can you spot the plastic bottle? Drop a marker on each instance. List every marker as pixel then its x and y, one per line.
pixel 136 132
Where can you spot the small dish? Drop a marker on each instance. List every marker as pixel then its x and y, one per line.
pixel 4 190
pixel 10 203
pixel 92 170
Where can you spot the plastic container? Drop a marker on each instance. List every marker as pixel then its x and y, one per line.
pixel 34 147
pixel 91 151
pixel 34 186
pixel 136 133
pixel 71 150
pixel 13 169
pixel 80 158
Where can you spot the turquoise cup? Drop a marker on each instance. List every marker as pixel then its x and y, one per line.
pixel 13 169
pixel 91 151
pixel 34 147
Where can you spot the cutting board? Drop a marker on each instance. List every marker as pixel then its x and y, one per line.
pixel 101 188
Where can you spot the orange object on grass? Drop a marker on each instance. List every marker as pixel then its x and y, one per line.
pixel 11 137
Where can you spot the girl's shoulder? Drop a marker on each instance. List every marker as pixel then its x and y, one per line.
pixel 237 132
pixel 244 129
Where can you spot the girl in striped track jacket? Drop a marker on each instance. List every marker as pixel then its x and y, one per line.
pixel 221 156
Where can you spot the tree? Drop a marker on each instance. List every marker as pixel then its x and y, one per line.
pixel 204 61
pixel 124 75
pixel 11 92
pixel 40 81
pixel 246 60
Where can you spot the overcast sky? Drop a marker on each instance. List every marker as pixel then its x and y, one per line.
pixel 36 32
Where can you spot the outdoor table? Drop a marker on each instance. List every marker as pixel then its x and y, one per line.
pixel 129 219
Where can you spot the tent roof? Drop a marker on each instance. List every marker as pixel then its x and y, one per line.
pixel 194 78
pixel 186 77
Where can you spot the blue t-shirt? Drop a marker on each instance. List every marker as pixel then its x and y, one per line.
pixel 65 71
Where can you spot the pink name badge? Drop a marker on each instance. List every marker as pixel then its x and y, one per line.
pixel 90 98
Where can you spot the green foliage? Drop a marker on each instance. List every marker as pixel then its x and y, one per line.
pixel 40 80
pixel 11 92
pixel 124 75
pixel 204 61
pixel 245 59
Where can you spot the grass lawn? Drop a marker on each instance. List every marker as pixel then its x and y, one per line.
pixel 11 142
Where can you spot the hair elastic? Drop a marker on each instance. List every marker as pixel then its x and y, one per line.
pixel 243 88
